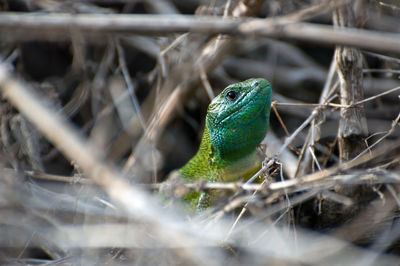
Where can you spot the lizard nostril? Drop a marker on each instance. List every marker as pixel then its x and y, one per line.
pixel 231 95
pixel 256 84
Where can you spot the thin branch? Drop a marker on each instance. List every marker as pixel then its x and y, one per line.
pixel 128 81
pixel 335 105
pixel 206 83
pixel 390 131
pixel 376 96
pixel 327 179
pixel 322 180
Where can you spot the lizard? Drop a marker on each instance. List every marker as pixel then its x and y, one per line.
pixel 236 122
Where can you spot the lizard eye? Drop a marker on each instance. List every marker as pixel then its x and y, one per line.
pixel 231 95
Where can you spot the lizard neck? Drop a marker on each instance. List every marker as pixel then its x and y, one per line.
pixel 216 165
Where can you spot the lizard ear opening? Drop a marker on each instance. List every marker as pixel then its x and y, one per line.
pixel 231 95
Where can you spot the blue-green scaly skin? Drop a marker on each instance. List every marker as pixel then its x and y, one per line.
pixel 233 130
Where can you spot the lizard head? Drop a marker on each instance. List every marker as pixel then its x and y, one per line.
pixel 237 119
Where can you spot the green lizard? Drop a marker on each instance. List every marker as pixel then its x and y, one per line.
pixel 236 122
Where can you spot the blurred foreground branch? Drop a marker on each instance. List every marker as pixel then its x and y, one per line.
pixel 61 133
pixel 25 26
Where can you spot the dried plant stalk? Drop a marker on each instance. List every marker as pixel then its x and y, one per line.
pixel 353 124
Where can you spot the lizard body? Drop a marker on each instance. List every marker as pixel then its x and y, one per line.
pixel 236 122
